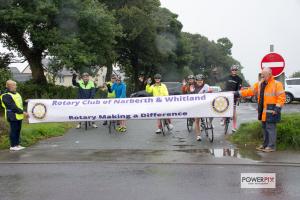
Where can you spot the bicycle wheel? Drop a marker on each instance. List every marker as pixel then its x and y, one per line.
pixel 226 125
pixel 203 126
pixel 189 124
pixel 109 126
pixel 86 125
pixel 210 129
pixel 163 128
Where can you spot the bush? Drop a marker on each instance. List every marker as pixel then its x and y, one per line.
pixel 288 133
pixel 29 90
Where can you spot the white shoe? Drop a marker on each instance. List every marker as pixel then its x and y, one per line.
pixel 199 138
pixel 233 130
pixel 170 127
pixel 222 123
pixel 94 126
pixel 78 126
pixel 16 148
pixel 158 131
pixel 21 147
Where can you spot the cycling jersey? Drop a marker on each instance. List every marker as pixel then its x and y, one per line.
pixel 233 83
pixel 188 89
pixel 201 89
pixel 157 90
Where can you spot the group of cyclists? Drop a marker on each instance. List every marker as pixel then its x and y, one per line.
pixel 116 88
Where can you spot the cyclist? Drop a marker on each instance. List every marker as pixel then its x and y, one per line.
pixel 119 87
pixel 188 87
pixel 86 90
pixel 158 89
pixel 233 83
pixel 200 88
pixel 110 95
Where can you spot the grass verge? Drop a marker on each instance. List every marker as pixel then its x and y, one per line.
pixel 288 133
pixel 32 133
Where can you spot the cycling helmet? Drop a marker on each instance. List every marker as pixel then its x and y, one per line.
pixel 234 67
pixel 191 77
pixel 157 76
pixel 118 77
pixel 85 74
pixel 142 74
pixel 113 76
pixel 199 77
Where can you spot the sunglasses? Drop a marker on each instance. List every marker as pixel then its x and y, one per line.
pixel 234 70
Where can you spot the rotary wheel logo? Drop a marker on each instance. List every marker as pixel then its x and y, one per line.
pixel 39 111
pixel 220 104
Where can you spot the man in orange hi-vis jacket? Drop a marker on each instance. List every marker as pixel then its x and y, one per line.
pixel 271 98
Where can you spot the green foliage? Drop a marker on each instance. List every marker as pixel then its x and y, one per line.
pixel 288 133
pixel 30 90
pixel 32 133
pixel 4 76
pixel 79 33
pixel 296 75
pixel 225 44
pixel 186 71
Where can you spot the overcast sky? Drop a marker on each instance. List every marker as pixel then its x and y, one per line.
pixel 251 25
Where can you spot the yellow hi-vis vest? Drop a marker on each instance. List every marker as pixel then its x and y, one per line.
pixel 112 94
pixel 18 101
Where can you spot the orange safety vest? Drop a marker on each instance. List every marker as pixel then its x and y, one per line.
pixel 274 94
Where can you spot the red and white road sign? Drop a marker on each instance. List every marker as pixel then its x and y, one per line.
pixel 275 62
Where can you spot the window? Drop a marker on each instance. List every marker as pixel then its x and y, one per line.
pixel 61 79
pixel 293 82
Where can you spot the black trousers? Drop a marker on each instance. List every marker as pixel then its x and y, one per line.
pixel 15 129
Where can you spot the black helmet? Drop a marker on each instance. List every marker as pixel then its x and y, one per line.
pixel 113 76
pixel 85 74
pixel 191 77
pixel 157 76
pixel 142 74
pixel 234 67
pixel 199 77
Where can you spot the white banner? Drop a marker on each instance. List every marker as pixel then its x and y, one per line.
pixel 180 106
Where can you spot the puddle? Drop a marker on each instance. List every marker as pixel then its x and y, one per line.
pixel 225 152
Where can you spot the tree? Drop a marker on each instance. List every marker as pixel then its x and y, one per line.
pixel 80 33
pixel 225 44
pixel 151 38
pixel 296 75
pixel 5 60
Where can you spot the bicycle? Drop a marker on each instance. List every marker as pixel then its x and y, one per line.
pixel 189 124
pixel 86 125
pixel 226 124
pixel 207 127
pixel 164 126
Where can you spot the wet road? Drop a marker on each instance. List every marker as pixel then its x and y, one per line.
pixel 94 164
pixel 140 181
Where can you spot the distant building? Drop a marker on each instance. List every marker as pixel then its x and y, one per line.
pixel 63 77
pixel 20 76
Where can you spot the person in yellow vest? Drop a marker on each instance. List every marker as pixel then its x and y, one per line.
pixel 86 90
pixel 270 99
pixel 12 103
pixel 158 89
pixel 110 95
